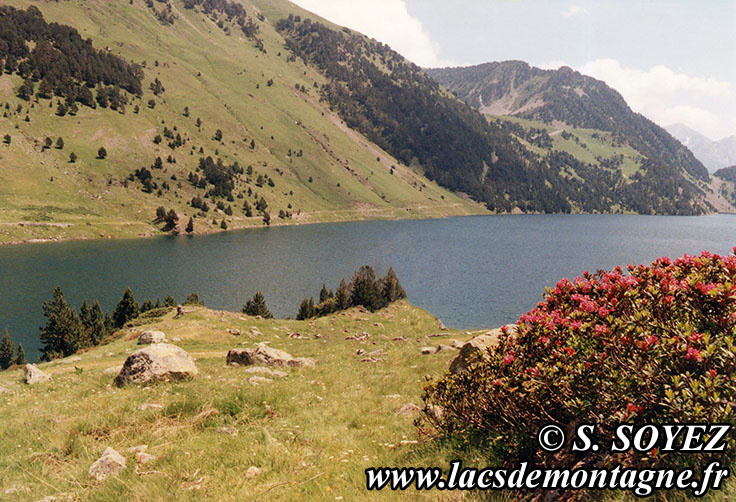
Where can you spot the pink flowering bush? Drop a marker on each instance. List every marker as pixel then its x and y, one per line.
pixel 654 345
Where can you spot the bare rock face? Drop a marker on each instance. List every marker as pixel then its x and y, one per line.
pixel 34 375
pixel 109 464
pixel 149 337
pixel 475 347
pixel 262 354
pixel 159 361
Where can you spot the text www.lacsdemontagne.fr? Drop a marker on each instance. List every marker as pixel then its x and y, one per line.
pixel 641 482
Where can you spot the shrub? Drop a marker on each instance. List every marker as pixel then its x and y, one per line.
pixel 655 345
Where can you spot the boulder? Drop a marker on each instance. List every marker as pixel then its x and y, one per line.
pixel 159 361
pixel 149 337
pixel 262 354
pixel 252 472
pixel 257 380
pixel 428 350
pixel 233 331
pixel 472 348
pixel 34 375
pixel 109 464
pixel 444 347
pixel 408 410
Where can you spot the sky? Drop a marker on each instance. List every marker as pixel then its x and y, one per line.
pixel 672 60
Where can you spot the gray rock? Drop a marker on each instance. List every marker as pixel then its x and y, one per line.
pixel 408 410
pixel 252 472
pixel 149 337
pixel 428 350
pixel 257 380
pixel 444 347
pixel 151 406
pixel 474 348
pixel 434 412
pixel 34 375
pixel 112 370
pixel 229 430
pixel 234 331
pixel 266 371
pixel 157 362
pixel 262 354
pixel 109 464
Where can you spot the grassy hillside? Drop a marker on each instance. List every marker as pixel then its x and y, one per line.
pixel 312 433
pixel 222 77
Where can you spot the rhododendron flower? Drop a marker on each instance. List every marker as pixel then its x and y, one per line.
pixel 569 350
pixel 603 312
pixel 508 359
pixel 693 353
pixel 695 337
pixel 602 330
pixel 712 373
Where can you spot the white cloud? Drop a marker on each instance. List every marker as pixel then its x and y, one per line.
pixel 388 21
pixel 705 104
pixel 574 11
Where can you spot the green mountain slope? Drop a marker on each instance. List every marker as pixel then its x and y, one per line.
pixel 219 70
pixel 394 103
pixel 566 102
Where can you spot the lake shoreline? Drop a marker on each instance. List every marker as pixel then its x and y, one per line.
pixel 211 230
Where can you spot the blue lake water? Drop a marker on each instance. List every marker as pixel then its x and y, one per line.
pixel 471 272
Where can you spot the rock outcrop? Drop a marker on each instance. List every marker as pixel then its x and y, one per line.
pixel 149 337
pixel 474 347
pixel 109 464
pixel 33 375
pixel 157 362
pixel 262 354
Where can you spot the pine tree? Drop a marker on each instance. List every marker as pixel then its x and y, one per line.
pixel 324 294
pixel 72 158
pixel 391 289
pixel 169 301
pixel 365 289
pixel 60 143
pixel 306 309
pixel 20 358
pixel 193 299
pixel 342 296
pixel 7 351
pixel 96 324
pixel 101 153
pixel 62 336
pixel 190 226
pixel 126 309
pixel 256 306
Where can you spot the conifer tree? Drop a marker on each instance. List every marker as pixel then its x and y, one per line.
pixel 190 226
pixel 169 301
pixel 256 306
pixel 20 358
pixel 126 309
pixel 306 309
pixel 62 336
pixel 7 351
pixel 342 296
pixel 391 289
pixel 365 289
pixel 96 324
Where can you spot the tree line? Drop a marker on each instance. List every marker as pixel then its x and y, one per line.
pixel 64 63
pixel 364 290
